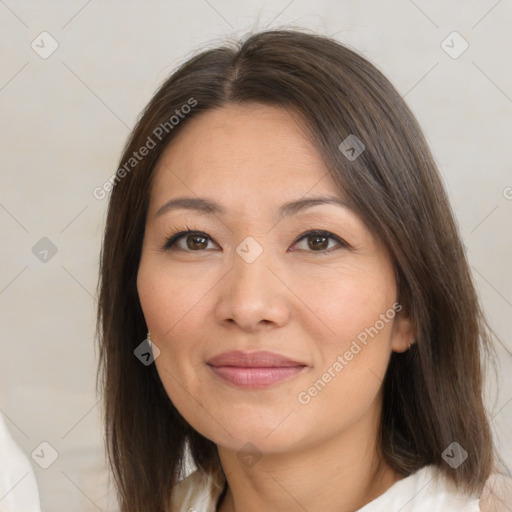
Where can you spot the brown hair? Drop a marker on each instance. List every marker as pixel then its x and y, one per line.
pixel 433 392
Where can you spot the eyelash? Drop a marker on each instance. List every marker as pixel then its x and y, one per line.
pixel 173 238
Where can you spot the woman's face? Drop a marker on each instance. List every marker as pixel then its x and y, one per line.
pixel 255 279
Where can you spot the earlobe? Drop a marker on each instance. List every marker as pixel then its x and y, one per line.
pixel 404 333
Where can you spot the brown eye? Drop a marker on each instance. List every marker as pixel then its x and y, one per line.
pixel 197 242
pixel 188 241
pixel 319 241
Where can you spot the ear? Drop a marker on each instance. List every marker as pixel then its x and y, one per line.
pixel 404 332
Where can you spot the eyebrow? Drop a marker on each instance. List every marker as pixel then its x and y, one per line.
pixel 211 207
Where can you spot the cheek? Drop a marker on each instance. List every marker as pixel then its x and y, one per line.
pixel 168 299
pixel 173 310
pixel 352 359
pixel 349 301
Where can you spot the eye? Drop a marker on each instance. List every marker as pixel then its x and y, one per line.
pixel 318 241
pixel 188 241
pixel 312 241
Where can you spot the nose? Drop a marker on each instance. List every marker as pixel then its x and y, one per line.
pixel 252 296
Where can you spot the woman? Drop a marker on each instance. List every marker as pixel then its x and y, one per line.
pixel 284 293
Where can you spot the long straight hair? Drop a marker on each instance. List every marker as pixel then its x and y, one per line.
pixel 432 394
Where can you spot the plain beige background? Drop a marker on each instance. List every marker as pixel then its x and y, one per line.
pixel 65 118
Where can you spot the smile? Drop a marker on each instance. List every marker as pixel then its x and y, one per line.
pixel 254 370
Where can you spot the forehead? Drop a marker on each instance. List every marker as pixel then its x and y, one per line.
pixel 256 153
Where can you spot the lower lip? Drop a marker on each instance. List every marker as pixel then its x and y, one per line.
pixel 254 378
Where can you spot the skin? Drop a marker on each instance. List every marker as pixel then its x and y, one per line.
pixel 292 300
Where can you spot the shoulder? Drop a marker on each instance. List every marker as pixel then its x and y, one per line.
pixel 425 490
pixel 429 489
pixel 497 494
pixel 197 491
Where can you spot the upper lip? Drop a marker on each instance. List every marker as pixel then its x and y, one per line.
pixel 260 359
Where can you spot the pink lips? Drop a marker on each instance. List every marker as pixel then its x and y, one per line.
pixel 254 369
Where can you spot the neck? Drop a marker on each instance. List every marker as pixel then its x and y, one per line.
pixel 343 474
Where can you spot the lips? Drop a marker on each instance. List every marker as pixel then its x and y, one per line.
pixel 254 369
pixel 260 359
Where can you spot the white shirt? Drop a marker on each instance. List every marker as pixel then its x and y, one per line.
pixel 18 485
pixel 426 490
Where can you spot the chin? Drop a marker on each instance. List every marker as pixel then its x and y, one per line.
pixel 259 435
